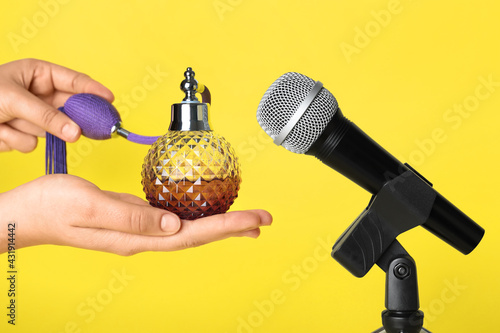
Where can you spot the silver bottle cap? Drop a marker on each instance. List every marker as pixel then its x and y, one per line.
pixel 190 114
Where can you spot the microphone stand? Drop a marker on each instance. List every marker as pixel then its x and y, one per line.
pixel 401 293
pixel 402 204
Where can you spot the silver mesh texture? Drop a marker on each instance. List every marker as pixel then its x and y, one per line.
pixel 282 100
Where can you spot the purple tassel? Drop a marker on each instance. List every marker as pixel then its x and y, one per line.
pixel 55 154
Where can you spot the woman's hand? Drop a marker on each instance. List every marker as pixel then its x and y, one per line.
pixel 30 92
pixel 68 210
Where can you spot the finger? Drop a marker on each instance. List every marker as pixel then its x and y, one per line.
pixel 59 98
pixel 17 140
pixel 27 106
pixel 129 244
pixel 4 147
pixel 74 82
pixel 202 231
pixel 255 233
pixel 113 213
pixel 26 127
pixel 218 227
pixel 192 233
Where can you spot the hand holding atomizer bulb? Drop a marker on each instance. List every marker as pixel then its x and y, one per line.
pixel 68 210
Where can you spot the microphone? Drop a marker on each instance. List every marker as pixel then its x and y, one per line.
pixel 303 117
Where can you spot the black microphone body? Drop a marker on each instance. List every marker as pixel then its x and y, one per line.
pixel 344 147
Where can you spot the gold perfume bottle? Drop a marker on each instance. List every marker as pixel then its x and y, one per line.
pixel 191 171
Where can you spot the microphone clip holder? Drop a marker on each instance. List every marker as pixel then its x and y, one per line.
pixel 403 203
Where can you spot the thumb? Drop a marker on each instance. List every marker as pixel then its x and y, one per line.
pixel 135 219
pixel 29 107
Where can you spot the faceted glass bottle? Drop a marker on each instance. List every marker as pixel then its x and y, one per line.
pixel 191 171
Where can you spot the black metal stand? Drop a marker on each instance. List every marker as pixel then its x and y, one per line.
pixel 401 292
pixel 402 204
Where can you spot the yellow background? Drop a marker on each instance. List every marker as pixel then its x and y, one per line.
pixel 398 84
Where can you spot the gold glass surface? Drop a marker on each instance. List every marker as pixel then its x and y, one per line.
pixel 191 173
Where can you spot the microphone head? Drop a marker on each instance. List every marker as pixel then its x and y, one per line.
pixel 281 101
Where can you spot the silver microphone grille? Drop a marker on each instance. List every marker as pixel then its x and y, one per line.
pixel 281 101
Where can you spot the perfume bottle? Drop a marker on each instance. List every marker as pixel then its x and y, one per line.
pixel 191 170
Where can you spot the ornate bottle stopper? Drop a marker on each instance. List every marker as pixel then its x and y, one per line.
pixel 190 114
